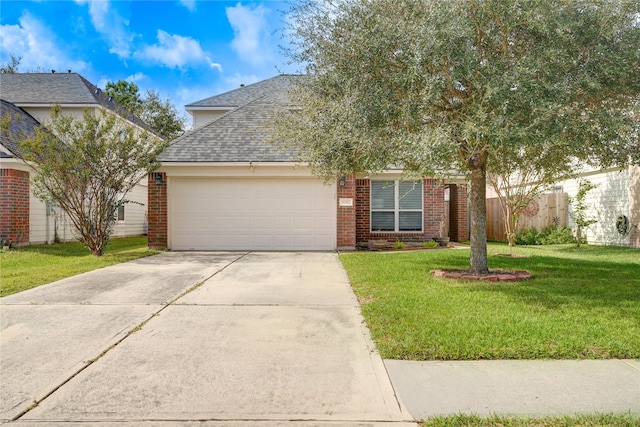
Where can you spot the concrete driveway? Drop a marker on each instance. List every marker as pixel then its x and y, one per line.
pixel 182 338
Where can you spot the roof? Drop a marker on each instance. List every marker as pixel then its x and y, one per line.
pixel 22 125
pixel 25 89
pixel 248 93
pixel 239 135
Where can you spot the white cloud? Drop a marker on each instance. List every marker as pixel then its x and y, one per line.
pixel 113 27
pixel 37 45
pixel 175 51
pixel 136 77
pixel 189 4
pixel 251 34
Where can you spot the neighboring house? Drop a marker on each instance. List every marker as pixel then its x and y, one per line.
pixel 615 204
pixel 30 96
pixel 221 186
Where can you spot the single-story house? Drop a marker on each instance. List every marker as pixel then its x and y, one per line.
pixel 29 97
pixel 222 187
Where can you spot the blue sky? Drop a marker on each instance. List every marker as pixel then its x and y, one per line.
pixel 185 49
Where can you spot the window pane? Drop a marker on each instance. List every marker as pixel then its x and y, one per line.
pixel 410 221
pixel 382 195
pixel 382 221
pixel 410 195
pixel 121 213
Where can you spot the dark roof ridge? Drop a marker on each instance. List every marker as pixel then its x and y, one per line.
pixel 242 88
pixel 22 124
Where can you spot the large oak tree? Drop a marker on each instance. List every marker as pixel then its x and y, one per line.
pixel 431 85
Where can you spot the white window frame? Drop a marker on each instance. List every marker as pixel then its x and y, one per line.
pixel 396 210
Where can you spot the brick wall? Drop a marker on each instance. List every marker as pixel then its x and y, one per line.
pixel 459 213
pixel 157 193
pixel 434 208
pixel 346 216
pixel 14 205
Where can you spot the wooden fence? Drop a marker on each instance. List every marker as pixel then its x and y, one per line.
pixel 544 210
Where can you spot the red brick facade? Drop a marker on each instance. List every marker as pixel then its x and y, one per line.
pixel 458 213
pixel 157 210
pixel 434 208
pixel 346 216
pixel 353 227
pixel 14 205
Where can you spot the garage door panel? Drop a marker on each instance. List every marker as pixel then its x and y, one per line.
pixel 246 214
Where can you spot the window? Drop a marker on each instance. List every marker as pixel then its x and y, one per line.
pixel 121 213
pixel 396 206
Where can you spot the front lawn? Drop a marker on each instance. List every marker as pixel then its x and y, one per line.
pixel 581 303
pixel 600 420
pixel 30 266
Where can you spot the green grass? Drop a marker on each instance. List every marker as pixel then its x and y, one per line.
pixel 625 420
pixel 582 303
pixel 30 266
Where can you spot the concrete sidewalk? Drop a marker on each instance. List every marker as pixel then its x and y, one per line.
pixel 517 387
pixel 265 339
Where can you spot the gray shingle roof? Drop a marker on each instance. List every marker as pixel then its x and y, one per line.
pixel 21 125
pixel 239 135
pixel 245 94
pixel 26 89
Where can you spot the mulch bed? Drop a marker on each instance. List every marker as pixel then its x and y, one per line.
pixel 492 276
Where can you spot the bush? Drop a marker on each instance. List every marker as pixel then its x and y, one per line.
pixel 550 235
pixel 528 236
pixel 554 235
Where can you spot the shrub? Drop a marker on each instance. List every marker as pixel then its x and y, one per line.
pixel 554 235
pixel 528 236
pixel 430 244
pixel 398 245
pixel 549 235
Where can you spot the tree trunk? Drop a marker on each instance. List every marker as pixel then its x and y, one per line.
pixel 478 214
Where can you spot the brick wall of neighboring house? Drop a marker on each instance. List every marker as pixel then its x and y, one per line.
pixel 346 217
pixel 459 213
pixel 157 211
pixel 434 207
pixel 14 205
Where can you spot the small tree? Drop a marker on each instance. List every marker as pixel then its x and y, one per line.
pixel 579 213
pixel 519 176
pixel 88 166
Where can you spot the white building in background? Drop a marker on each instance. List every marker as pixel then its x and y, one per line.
pixel 614 203
pixel 26 219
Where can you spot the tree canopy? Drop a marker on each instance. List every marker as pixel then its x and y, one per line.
pixel 160 114
pixel 431 85
pixel 125 93
pixel 87 166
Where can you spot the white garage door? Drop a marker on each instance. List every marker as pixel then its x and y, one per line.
pixel 256 214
